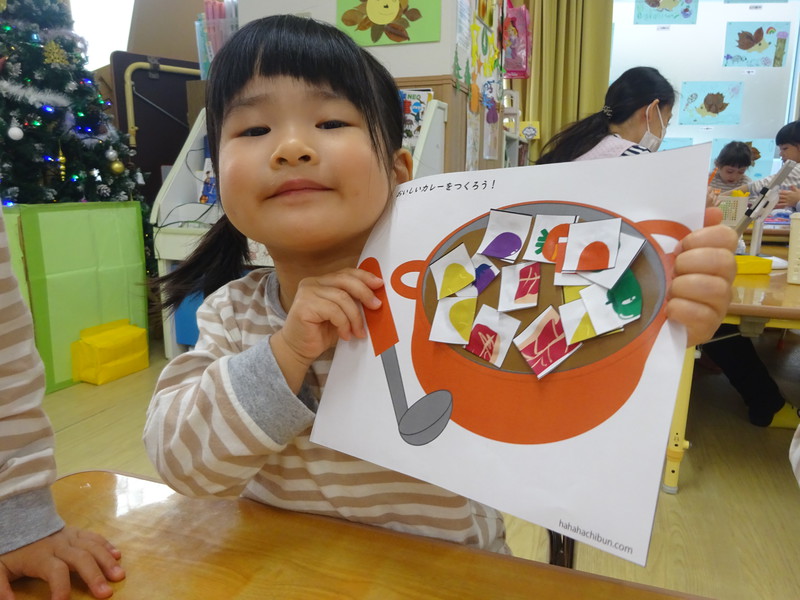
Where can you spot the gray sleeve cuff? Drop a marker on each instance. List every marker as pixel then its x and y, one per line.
pixel 262 391
pixel 27 518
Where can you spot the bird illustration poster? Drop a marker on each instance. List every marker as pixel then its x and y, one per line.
pixel 565 430
pixel 710 103
pixel 387 22
pixel 666 12
pixel 759 44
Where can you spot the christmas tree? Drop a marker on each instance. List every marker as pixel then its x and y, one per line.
pixel 57 142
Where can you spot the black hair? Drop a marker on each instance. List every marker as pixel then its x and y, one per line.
pixel 635 88
pixel 789 134
pixel 735 154
pixel 305 49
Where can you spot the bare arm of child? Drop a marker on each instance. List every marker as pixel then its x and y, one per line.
pixel 52 558
pixel 325 309
pixel 704 270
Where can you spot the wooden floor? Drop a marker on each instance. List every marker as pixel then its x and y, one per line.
pixel 732 532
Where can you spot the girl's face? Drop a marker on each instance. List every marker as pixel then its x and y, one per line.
pixel 790 152
pixel 730 174
pixel 298 171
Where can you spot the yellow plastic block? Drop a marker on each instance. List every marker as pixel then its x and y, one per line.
pixel 109 351
pixel 753 265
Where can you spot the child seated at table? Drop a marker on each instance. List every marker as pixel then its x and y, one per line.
pixel 788 142
pixel 730 166
pixel 305 136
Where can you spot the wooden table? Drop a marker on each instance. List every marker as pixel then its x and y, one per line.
pixel 178 548
pixel 759 301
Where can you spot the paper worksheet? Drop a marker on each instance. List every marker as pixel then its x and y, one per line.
pixel 579 447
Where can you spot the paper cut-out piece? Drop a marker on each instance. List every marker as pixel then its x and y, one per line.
pixel 542 226
pixel 505 235
pixel 561 278
pixel 592 245
pixel 519 286
pixel 626 297
pixel 485 272
pixel 572 292
pixel 576 322
pixel 612 309
pixel 629 247
pixel 453 320
pixel 550 244
pixel 543 344
pixel 492 334
pixel 452 272
pixel 468 292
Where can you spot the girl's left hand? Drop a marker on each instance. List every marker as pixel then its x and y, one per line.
pixel 701 286
pixel 789 197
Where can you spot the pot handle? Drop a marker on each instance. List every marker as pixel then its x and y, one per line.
pixel 398 285
pixel 380 323
pixel 671 229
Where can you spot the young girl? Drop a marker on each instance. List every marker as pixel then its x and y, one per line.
pixel 731 163
pixel 305 132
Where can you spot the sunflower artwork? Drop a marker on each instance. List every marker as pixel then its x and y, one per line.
pixel 391 18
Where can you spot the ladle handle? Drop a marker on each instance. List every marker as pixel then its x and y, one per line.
pixel 380 323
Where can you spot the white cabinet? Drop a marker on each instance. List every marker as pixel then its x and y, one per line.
pixel 180 220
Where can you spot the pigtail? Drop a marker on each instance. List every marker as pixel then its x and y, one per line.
pixel 575 140
pixel 221 256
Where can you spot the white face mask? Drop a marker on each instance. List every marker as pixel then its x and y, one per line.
pixel 649 139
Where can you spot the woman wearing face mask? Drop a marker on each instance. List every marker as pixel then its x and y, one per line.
pixel 633 120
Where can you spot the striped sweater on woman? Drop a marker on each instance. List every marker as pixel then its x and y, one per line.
pixel 224 422
pixel 27 463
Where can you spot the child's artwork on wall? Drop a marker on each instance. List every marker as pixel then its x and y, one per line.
pixel 566 431
pixel 665 12
pixel 755 44
pixel 386 22
pixel 710 103
pixel 763 152
pixel 485 84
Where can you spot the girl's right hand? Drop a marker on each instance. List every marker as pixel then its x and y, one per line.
pixel 325 309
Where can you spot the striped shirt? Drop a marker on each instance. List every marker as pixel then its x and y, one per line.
pixel 612 146
pixel 792 179
pixel 27 463
pixel 224 422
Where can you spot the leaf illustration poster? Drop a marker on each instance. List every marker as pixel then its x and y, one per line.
pixel 387 22
pixel 751 44
pixel 710 103
pixel 510 398
pixel 666 12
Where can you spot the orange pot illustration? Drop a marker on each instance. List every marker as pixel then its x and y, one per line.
pixel 510 404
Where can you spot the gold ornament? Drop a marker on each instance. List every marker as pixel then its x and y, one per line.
pixel 62 164
pixel 3 5
pixel 117 167
pixel 55 54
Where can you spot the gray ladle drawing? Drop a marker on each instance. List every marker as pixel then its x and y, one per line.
pixel 423 421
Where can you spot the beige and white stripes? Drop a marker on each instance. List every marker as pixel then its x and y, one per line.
pixel 214 428
pixel 27 463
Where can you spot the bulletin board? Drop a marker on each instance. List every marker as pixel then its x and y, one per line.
pixel 720 46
